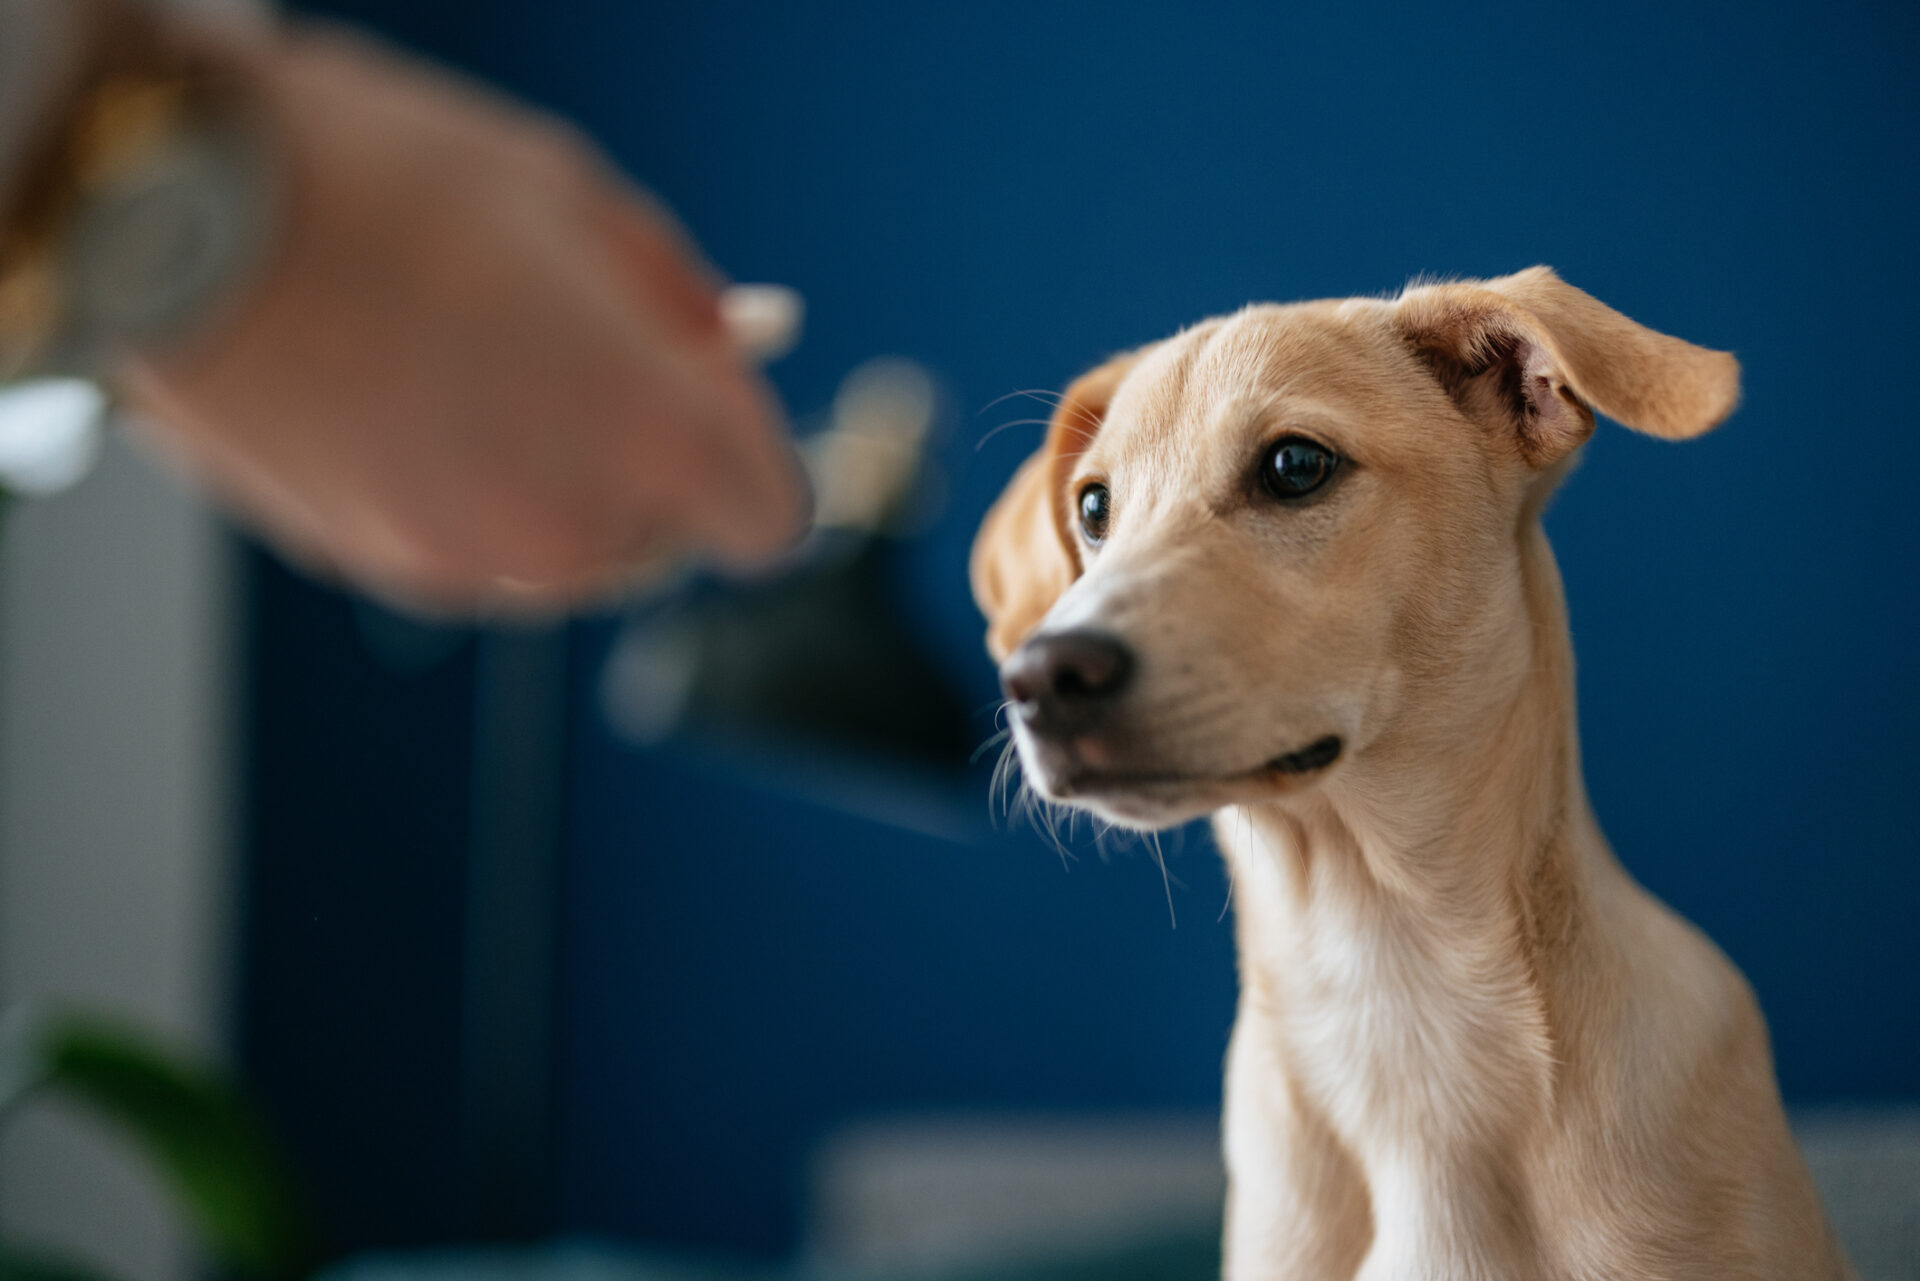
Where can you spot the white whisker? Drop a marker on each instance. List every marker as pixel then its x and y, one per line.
pixel 1015 422
pixel 987 746
pixel 1044 395
pixel 1166 879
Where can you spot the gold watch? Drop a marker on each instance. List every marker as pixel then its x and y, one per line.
pixel 145 210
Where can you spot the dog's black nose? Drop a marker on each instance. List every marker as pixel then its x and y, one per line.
pixel 1064 681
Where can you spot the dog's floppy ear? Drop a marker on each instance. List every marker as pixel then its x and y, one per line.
pixel 1024 555
pixel 1535 349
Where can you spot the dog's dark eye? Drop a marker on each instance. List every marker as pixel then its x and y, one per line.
pixel 1093 512
pixel 1295 466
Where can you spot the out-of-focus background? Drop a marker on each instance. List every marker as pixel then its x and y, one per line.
pixel 692 926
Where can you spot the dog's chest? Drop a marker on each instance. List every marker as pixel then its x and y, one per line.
pixel 1388 1020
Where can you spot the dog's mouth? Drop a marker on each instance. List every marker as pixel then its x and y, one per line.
pixel 1283 773
pixel 1311 759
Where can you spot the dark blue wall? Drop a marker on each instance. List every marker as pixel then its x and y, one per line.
pixel 1007 191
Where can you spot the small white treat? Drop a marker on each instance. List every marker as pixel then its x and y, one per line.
pixel 764 320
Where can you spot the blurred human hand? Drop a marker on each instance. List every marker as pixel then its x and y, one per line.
pixel 482 370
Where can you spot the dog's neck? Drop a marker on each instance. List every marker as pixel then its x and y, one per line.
pixel 1464 852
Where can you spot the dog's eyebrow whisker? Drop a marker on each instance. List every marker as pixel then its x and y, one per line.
pixel 1088 425
pixel 1016 422
pixel 1045 395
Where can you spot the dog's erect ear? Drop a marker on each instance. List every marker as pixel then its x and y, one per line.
pixel 1535 349
pixel 1024 556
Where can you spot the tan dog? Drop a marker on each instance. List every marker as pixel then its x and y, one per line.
pixel 1287 568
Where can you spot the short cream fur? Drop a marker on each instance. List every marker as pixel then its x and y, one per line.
pixel 1468 1044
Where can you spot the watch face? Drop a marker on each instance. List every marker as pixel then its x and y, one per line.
pixel 162 244
pixel 49 433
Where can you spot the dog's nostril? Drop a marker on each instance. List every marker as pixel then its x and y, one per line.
pixel 1068 683
pixel 1083 665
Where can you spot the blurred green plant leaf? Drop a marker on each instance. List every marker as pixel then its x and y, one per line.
pixel 194 1129
pixel 17 1265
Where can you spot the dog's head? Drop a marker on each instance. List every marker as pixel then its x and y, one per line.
pixel 1248 552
